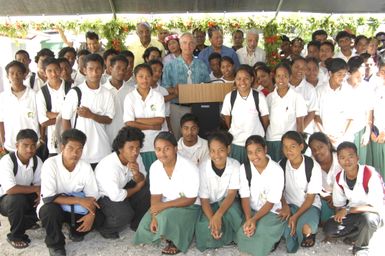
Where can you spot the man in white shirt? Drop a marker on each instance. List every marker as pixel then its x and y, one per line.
pixel 67 182
pixel 344 41
pixel 358 194
pixel 92 112
pixel 191 146
pixel 40 75
pixel 121 178
pixel 79 76
pixel 18 107
pixel 23 57
pixel 20 188
pixel 251 53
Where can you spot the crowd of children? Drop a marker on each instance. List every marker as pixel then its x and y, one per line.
pixel 304 145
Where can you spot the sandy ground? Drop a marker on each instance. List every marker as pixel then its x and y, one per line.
pixel 94 244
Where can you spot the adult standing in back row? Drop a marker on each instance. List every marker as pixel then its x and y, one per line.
pixel 216 40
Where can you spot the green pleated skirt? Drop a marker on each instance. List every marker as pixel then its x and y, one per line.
pixel 231 222
pixel 239 153
pixel 175 224
pixel 274 149
pixel 310 217
pixel 268 231
pixel 148 158
pixel 362 151
pixel 377 157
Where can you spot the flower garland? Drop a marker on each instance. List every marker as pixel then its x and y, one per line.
pixel 272 43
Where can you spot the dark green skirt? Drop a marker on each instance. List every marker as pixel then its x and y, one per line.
pixel 148 158
pixel 268 231
pixel 274 149
pixel 175 224
pixel 377 154
pixel 326 211
pixel 362 151
pixel 310 217
pixel 239 153
pixel 231 221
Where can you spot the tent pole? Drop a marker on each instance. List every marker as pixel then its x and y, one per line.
pixel 113 8
pixel 278 8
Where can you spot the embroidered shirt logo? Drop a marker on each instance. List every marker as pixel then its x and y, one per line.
pixel 153 107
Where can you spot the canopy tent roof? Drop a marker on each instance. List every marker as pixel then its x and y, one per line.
pixel 74 7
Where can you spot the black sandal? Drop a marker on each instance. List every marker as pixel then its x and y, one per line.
pixel 170 249
pixel 308 241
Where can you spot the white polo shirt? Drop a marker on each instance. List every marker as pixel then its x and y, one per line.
pixel 296 186
pixel 244 116
pixel 78 78
pixel 38 83
pixel 184 181
pixel 57 100
pixel 112 176
pixel 214 187
pixel 358 196
pixel 101 102
pixel 284 112
pixel 197 153
pixel 265 187
pixel 24 176
pixel 152 106
pixel 119 96
pixel 328 178
pixel 334 110
pixel 164 92
pixel 56 180
pixel 361 99
pixel 250 59
pixel 379 108
pixel 16 114
pixel 323 75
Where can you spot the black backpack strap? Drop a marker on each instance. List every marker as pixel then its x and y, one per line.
pixel 79 93
pixel 256 101
pixel 309 164
pixel 67 87
pixel 34 167
pixel 32 80
pixel 282 163
pixel 248 171
pixel 14 161
pixel 47 97
pixel 232 99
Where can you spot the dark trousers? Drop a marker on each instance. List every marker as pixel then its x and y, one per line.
pixel 118 215
pixel 52 218
pixel 20 212
pixel 360 227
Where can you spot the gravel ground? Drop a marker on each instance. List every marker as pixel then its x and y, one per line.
pixel 94 244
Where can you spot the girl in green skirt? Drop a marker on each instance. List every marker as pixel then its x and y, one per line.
pixel 301 204
pixel 174 186
pixel 262 182
pixel 221 215
pixel 324 153
pixel 378 135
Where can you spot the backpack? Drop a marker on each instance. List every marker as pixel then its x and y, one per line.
pixel 32 80
pixel 366 177
pixel 256 101
pixel 79 93
pixel 47 95
pixel 309 164
pixel 12 155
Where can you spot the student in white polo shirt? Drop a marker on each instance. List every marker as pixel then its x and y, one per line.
pixel 333 106
pixel 92 112
pixel 244 117
pixel 20 188
pixel 174 187
pixel 191 146
pixel 49 101
pixel 300 204
pixel 262 183
pixel 287 110
pixel 144 109
pixel 67 181
pixel 119 89
pixel 17 108
pixel 219 184
pixel 358 195
pixel 306 90
pixel 121 178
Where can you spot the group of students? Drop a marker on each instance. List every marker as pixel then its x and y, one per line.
pixel 77 116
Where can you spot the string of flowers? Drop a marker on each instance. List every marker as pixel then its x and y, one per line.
pixel 272 43
pixel 115 31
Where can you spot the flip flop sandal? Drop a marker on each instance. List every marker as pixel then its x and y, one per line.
pixel 18 244
pixel 170 249
pixel 308 241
